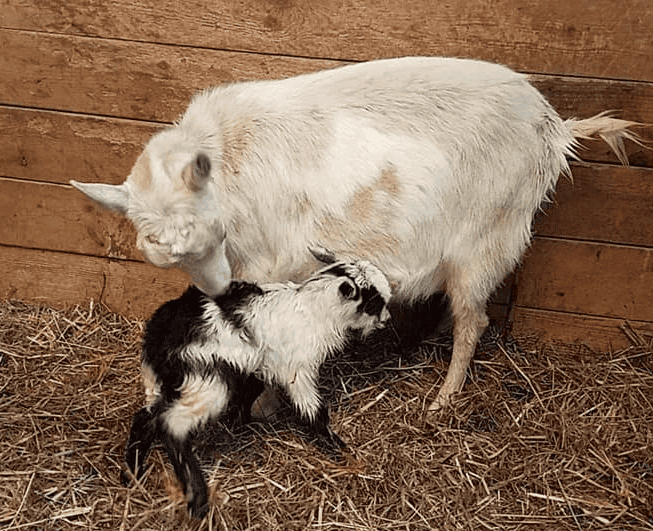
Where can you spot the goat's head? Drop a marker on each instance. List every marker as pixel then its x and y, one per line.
pixel 362 287
pixel 170 197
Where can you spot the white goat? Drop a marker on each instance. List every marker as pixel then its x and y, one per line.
pixel 431 168
pixel 203 357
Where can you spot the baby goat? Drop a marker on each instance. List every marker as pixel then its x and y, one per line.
pixel 205 358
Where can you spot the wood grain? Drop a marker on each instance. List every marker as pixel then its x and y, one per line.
pixel 599 38
pixel 59 218
pixel 154 82
pixel 599 333
pixel 590 278
pixel 130 288
pixel 611 204
pixel 57 147
pixel 126 79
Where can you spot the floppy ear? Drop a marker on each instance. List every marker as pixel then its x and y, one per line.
pixel 322 254
pixel 111 196
pixel 348 289
pixel 197 173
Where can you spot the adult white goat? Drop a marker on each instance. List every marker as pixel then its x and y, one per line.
pixel 430 168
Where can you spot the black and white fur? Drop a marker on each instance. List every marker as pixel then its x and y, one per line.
pixel 205 358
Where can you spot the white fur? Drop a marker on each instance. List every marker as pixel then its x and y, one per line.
pixel 201 398
pixel 431 168
pixel 291 330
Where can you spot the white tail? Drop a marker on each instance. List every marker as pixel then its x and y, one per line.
pixel 612 131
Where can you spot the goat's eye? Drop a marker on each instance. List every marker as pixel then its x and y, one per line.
pixel 151 239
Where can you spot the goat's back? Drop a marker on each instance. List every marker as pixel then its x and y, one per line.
pixel 416 165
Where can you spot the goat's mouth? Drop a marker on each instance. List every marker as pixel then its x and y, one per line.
pixel 164 255
pixel 159 255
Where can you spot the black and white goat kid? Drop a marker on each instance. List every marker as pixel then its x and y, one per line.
pixel 205 358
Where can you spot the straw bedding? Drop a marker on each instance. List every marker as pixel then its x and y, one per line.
pixel 543 437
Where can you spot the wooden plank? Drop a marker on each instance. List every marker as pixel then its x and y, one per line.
pixel 59 218
pixel 599 333
pixel 604 203
pixel 137 290
pixel 155 82
pixel 126 79
pixel 56 147
pixel 130 288
pixel 588 278
pixel 602 38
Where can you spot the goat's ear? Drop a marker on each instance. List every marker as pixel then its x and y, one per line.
pixel 197 173
pixel 322 254
pixel 111 196
pixel 348 289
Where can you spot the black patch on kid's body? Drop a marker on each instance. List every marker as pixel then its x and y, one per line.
pixel 173 326
pixel 372 303
pixel 238 295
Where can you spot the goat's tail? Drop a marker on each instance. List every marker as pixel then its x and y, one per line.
pixel 612 131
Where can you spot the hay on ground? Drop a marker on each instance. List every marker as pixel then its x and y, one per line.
pixel 543 437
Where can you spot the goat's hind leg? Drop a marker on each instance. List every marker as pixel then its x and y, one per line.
pixel 143 432
pixel 188 471
pixel 200 399
pixel 246 391
pixel 467 300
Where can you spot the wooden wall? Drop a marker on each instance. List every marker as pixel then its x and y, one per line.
pixel 84 83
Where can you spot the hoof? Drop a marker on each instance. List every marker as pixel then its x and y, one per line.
pixel 125 478
pixel 332 445
pixel 198 507
pixel 437 406
pixel 337 441
pixel 267 404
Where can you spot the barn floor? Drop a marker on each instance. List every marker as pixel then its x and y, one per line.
pixel 543 437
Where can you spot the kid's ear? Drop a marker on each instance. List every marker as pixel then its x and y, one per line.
pixel 197 173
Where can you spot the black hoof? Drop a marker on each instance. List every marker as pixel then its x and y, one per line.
pixel 125 478
pixel 332 445
pixel 127 475
pixel 198 506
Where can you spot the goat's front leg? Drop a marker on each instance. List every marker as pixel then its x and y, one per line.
pixel 143 432
pixel 320 428
pixel 307 402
